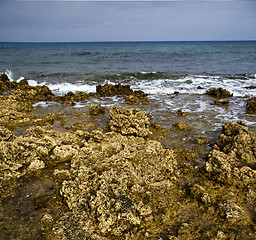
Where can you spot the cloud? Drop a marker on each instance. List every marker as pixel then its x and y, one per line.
pixel 120 21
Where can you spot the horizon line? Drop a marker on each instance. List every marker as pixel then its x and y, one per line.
pixel 129 41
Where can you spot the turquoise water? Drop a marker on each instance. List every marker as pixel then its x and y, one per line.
pixel 63 61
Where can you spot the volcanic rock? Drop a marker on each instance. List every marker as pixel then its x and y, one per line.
pixel 233 158
pixel 251 106
pixel 219 93
pixel 129 121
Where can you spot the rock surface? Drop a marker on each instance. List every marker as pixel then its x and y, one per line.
pixel 251 106
pixel 96 109
pixel 219 93
pixel 233 158
pixel 109 90
pixel 129 122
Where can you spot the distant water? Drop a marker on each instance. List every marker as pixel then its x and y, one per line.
pixel 157 68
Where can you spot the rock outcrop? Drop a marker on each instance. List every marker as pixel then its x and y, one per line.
pixel 233 158
pixel 129 122
pixel 219 93
pixel 96 109
pixel 251 106
pixel 138 97
pixel 109 90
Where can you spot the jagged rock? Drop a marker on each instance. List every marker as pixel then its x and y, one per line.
pixel 137 97
pixel 221 103
pixel 5 83
pixel 6 134
pixel 70 98
pixel 181 113
pixel 36 165
pixel 99 197
pixel 219 92
pixel 109 90
pixel 230 209
pixel 201 140
pixel 96 109
pixel 233 158
pixel 251 106
pixel 129 121
pixel 181 126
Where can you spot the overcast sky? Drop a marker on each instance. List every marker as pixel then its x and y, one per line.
pixel 41 20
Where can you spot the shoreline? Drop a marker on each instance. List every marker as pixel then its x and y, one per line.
pixel 109 172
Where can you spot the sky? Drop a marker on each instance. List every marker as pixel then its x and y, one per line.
pixel 81 21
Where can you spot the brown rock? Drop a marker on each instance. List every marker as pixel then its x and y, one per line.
pixel 219 92
pixel 109 90
pixel 129 121
pixel 181 126
pixel 221 103
pixel 96 109
pixel 233 158
pixel 251 106
pixel 138 97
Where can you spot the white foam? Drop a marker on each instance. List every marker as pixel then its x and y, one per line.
pixel 62 88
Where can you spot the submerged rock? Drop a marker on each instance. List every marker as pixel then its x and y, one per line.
pixel 96 109
pixel 219 92
pixel 138 97
pixel 221 103
pixel 129 122
pixel 181 126
pixel 251 106
pixel 233 158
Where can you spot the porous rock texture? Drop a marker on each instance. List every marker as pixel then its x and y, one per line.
pixel 96 109
pixel 109 90
pixel 129 121
pixel 219 93
pixel 233 158
pixel 107 195
pixel 251 106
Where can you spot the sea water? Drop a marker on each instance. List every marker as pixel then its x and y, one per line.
pixel 157 68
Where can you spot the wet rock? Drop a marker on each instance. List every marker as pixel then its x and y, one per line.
pixel 5 83
pixel 96 109
pixel 219 92
pixel 70 98
pixel 233 158
pixel 181 126
pixel 181 113
pixel 109 90
pixel 138 97
pixel 47 222
pixel 221 103
pixel 230 209
pixel 129 121
pixel 201 140
pixel 251 106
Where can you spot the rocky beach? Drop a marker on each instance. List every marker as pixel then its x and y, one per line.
pixel 116 172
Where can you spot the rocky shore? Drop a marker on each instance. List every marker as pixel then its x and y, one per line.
pixel 118 181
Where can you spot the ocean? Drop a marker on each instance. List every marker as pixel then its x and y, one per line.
pixel 157 68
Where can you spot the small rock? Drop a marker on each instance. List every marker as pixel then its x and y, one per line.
pixel 219 92
pixel 251 106
pixel 96 109
pixel 36 165
pixel 181 126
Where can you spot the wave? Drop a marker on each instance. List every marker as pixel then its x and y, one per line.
pixel 155 83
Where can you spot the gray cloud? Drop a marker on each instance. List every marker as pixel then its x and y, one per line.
pixel 126 21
